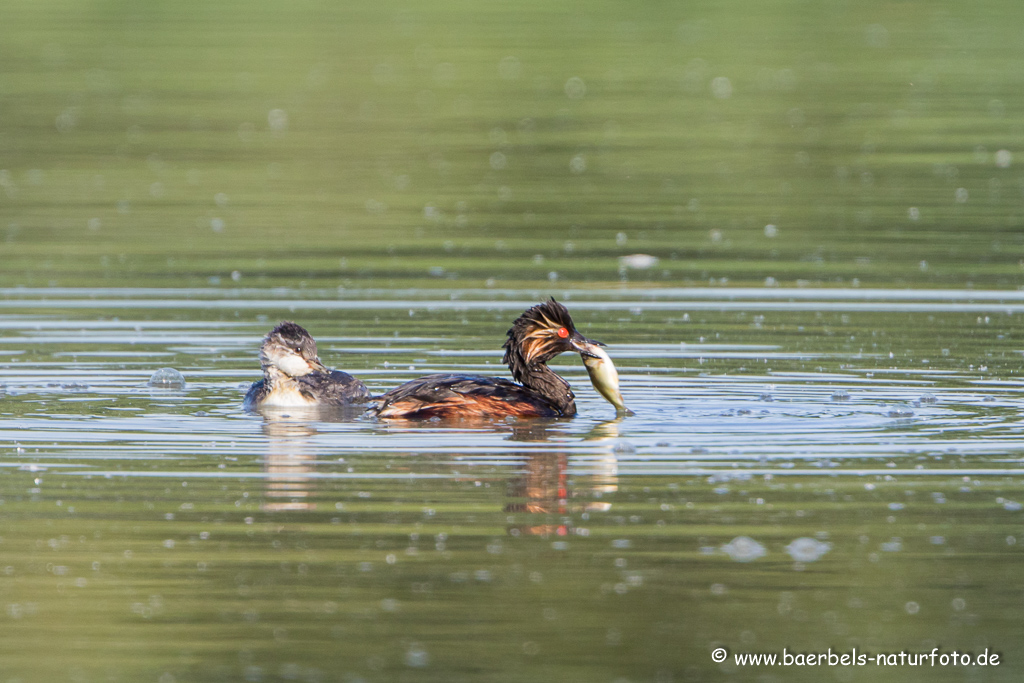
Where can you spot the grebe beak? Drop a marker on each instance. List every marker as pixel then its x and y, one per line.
pixel 604 376
pixel 317 366
pixel 585 347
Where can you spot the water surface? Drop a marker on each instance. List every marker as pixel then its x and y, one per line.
pixel 799 474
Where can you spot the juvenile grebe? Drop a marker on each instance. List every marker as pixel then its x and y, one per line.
pixel 537 336
pixel 293 375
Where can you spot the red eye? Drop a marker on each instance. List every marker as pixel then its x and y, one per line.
pixel 562 332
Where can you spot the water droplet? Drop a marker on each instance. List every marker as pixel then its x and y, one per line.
pixel 806 549
pixel 744 549
pixel 575 88
pixel 638 261
pixel 510 68
pixel 498 161
pixel 277 119
pixel 721 87
pixel 416 656
pixel 876 35
pixel 901 410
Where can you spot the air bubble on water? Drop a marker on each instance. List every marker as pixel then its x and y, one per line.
pixel 416 656
pixel 578 164
pixel 552 276
pixel 841 395
pixel 806 549
pixel 220 199
pixel 217 224
pixel 721 88
pixel 900 411
pixel 624 448
pixel 277 119
pixel 715 235
pixel 510 68
pixel 94 224
pixel 67 120
pixel 876 35
pixel 770 230
pixel 771 282
pixel 638 261
pixel 498 161
pixel 893 545
pixel 236 275
pixel 167 378
pixel 912 607
pixel 444 74
pixel 744 549
pixel 923 265
pixel 1012 506
pixel 575 88
pixel 961 195
pixel 1004 158
pixel 914 213
pixel 928 398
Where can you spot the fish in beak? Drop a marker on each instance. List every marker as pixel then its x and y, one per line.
pixel 603 374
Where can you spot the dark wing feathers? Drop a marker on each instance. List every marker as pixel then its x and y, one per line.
pixel 254 397
pixel 463 395
pixel 333 388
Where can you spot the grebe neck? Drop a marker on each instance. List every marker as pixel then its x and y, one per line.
pixel 541 379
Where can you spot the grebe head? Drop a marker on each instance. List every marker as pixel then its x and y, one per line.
pixel 291 350
pixel 540 334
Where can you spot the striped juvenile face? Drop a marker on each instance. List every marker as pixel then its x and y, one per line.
pixel 291 350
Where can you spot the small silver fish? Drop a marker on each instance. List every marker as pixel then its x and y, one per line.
pixel 604 376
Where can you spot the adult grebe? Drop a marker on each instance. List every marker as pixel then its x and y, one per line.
pixel 293 375
pixel 537 336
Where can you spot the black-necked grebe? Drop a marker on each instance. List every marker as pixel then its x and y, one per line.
pixel 537 336
pixel 293 375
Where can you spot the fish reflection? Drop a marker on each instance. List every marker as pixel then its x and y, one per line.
pixel 545 488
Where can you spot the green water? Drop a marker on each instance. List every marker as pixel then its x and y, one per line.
pixel 823 359
pixel 364 144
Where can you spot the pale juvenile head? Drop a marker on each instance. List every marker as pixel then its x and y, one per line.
pixel 289 349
